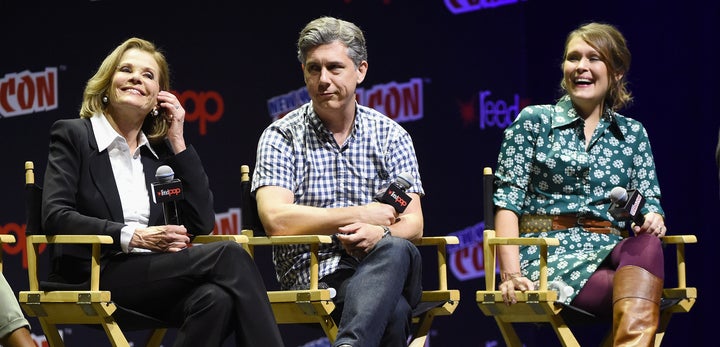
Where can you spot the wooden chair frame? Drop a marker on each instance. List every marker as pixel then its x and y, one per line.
pixel 87 306
pixel 5 238
pixel 314 305
pixel 541 306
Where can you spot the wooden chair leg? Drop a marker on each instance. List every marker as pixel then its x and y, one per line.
pixel 422 330
pixel 418 341
pixel 665 316
pixel 563 332
pixel 608 340
pixel 508 333
pixel 330 328
pixel 51 333
pixel 156 338
pixel 116 336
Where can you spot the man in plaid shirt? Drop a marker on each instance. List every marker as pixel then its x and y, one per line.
pixel 318 170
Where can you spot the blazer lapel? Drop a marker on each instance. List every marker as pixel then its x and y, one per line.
pixel 150 165
pixel 102 176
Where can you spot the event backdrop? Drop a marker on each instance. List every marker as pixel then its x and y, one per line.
pixel 454 73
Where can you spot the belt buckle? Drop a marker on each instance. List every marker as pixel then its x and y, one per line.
pixel 580 221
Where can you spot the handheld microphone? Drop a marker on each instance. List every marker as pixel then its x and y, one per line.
pixel 167 190
pixel 395 193
pixel 626 205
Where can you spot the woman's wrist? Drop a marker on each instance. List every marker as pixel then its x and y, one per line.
pixel 509 276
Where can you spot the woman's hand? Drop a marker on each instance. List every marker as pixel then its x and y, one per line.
pixel 175 116
pixel 654 224
pixel 512 282
pixel 162 238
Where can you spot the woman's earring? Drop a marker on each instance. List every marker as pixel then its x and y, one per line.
pixel 155 112
pixel 105 100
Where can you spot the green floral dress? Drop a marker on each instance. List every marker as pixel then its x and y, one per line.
pixel 544 168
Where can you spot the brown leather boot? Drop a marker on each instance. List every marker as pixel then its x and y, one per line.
pixel 636 306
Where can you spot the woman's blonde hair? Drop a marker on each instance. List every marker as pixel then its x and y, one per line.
pixel 155 128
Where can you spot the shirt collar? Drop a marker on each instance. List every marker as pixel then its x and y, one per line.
pixel 106 135
pixel 565 113
pixel 321 130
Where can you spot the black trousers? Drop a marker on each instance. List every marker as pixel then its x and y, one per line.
pixel 209 291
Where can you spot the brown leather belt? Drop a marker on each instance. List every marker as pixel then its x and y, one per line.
pixel 535 223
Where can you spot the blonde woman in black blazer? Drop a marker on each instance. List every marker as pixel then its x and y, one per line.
pixel 98 181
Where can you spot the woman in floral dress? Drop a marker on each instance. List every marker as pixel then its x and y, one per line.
pixel 556 168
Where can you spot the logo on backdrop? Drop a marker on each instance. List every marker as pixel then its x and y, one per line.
pixel 462 6
pixel 227 223
pixel 466 258
pixel 19 247
pixel 402 102
pixel 204 107
pixel 491 112
pixel 28 92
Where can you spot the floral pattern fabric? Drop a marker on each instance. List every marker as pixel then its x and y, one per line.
pixel 544 167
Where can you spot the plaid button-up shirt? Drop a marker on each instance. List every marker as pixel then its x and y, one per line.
pixel 297 152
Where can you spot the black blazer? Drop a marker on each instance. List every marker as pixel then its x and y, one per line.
pixel 80 195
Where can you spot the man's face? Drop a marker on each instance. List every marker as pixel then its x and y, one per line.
pixel 331 77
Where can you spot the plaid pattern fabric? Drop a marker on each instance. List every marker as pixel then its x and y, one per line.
pixel 298 153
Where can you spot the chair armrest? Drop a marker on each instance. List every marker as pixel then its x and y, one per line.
pixel 490 243
pixel 314 241
pixel 7 238
pixel 215 238
pixel 441 243
pixel 34 242
pixel 523 241
pixel 679 241
pixel 289 240
pixel 67 239
pixel 436 241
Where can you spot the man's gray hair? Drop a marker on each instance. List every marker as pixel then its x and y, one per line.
pixel 325 30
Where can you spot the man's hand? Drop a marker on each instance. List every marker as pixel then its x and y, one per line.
pixel 358 239
pixel 376 213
